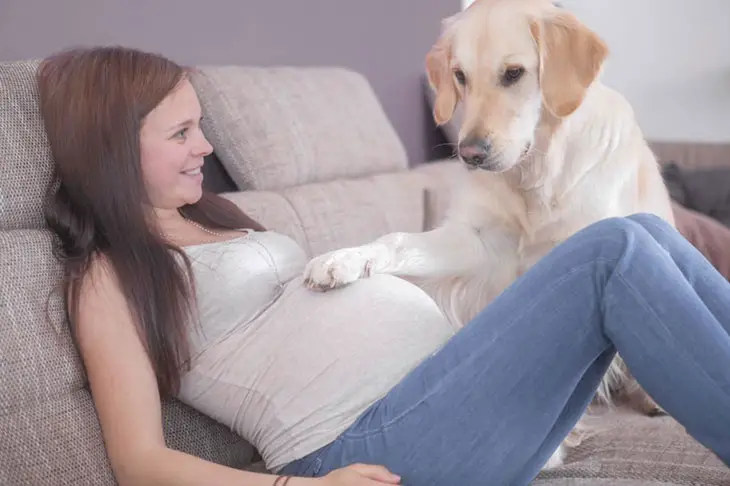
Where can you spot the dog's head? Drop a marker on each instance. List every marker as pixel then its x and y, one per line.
pixel 510 62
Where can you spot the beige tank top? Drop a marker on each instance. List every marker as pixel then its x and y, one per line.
pixel 290 369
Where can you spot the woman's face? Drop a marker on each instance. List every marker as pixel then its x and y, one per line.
pixel 172 150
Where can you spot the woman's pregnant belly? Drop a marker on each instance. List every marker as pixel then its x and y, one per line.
pixel 309 366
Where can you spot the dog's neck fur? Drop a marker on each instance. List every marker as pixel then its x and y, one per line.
pixel 544 168
pixel 538 185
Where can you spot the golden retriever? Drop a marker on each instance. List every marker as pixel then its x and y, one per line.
pixel 550 150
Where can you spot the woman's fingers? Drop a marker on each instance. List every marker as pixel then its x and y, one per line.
pixel 378 473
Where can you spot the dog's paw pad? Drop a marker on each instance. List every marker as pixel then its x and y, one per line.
pixel 336 269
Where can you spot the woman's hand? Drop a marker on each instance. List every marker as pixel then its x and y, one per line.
pixel 360 475
pixel 356 475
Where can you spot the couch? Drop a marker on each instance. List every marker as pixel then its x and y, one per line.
pixel 307 152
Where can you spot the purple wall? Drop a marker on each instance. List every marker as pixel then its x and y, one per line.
pixel 386 40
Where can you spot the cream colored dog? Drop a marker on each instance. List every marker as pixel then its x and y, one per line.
pixel 550 148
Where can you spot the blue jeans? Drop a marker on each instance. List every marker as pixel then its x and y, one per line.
pixel 495 402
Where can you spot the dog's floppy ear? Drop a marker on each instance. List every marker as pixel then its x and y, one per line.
pixel 571 57
pixel 440 77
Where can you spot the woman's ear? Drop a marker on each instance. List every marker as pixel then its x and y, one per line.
pixel 571 57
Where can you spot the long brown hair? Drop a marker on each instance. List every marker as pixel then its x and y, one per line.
pixel 93 102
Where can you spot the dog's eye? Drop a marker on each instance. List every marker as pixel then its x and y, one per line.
pixel 512 75
pixel 460 77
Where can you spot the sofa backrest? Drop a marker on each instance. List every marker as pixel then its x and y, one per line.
pixel 279 127
pixel 24 154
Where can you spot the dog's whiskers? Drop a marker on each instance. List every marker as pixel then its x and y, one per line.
pixel 445 144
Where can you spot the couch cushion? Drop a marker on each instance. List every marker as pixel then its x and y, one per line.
pixel 354 212
pixel 646 451
pixel 283 126
pixel 38 356
pixel 50 431
pixel 58 441
pixel 54 441
pixel 272 210
pixel 24 152
pixel 330 215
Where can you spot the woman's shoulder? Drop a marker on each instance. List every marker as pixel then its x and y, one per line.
pixel 99 273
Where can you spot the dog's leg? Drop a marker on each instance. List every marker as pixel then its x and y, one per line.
pixel 620 385
pixel 451 249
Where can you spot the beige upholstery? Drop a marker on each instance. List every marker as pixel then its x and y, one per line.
pixel 24 154
pixel 329 215
pixel 323 165
pixel 639 451
pixel 280 127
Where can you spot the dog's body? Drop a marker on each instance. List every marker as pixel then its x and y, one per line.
pixel 586 160
pixel 597 165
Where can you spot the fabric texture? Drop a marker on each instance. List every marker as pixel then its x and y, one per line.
pixel 25 156
pixel 57 441
pixel 279 127
pixel 54 441
pixel 635 283
pixel 38 356
pixel 635 450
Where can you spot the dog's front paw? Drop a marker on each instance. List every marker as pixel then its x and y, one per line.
pixel 342 267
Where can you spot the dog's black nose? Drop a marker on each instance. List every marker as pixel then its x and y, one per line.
pixel 474 152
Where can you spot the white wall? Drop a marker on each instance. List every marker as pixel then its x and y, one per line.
pixel 671 59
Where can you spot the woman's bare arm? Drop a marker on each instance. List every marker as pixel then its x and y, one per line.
pixel 125 393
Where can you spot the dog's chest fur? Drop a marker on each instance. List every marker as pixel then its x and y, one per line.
pixel 589 168
pixel 521 217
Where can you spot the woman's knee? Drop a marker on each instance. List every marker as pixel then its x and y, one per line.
pixel 615 235
pixel 663 232
pixel 614 226
pixel 650 221
pixel 639 225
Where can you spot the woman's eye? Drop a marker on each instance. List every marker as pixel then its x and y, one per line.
pixel 181 133
pixel 460 77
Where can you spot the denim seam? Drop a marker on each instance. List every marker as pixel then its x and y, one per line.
pixel 384 427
